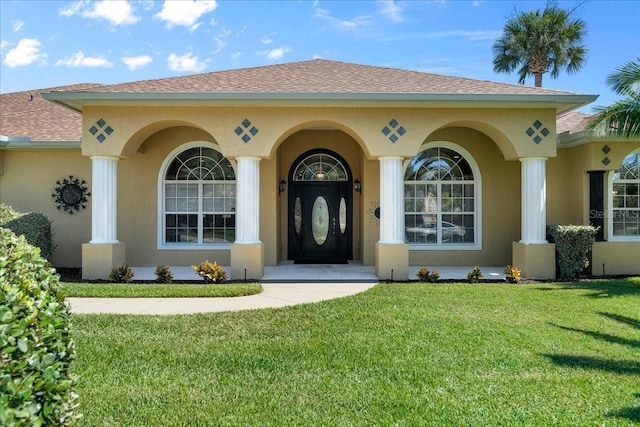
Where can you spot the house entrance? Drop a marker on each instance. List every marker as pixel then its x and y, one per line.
pixel 320 214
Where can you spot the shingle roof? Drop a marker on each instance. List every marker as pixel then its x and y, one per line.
pixel 28 114
pixel 322 76
pixel 572 122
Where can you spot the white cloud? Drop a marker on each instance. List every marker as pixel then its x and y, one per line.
pixel 221 40
pixel 186 62
pixel 185 12
pixel 25 53
pixel 79 60
pixel 3 44
pixel 117 12
pixel 475 3
pixel 266 40
pixel 137 62
pixel 391 10
pixel 17 25
pixel 278 53
pixel 75 8
pixel 352 24
pixel 472 35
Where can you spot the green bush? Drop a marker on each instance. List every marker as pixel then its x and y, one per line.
pixel 573 243
pixel 122 274
pixel 211 272
pixel 163 274
pixel 475 275
pixel 7 213
pixel 36 346
pixel 36 228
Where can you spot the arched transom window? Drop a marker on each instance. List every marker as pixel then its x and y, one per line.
pixel 320 167
pixel 199 199
pixel 624 221
pixel 441 199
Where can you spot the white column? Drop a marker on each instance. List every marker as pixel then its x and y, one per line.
pixel 248 200
pixel 391 200
pixel 534 200
pixel 104 196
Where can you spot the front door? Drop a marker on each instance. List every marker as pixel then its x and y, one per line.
pixel 320 209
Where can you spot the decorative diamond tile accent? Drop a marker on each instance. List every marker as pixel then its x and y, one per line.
pixel 100 131
pixel 393 131
pixel 606 161
pixel 245 131
pixel 606 149
pixel 536 133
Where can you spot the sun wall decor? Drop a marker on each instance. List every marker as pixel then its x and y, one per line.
pixel 71 194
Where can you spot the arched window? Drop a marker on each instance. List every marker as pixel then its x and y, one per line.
pixel 442 199
pixel 320 167
pixel 198 199
pixel 624 200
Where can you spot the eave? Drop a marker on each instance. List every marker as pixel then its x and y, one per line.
pixel 561 102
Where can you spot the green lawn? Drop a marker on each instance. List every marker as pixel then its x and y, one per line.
pixel 155 290
pixel 398 354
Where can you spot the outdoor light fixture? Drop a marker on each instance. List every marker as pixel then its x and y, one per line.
pixel 357 186
pixel 282 186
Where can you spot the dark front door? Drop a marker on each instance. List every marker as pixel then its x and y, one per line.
pixel 320 212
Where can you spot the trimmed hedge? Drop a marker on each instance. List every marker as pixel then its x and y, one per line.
pixel 573 243
pixel 36 228
pixel 37 349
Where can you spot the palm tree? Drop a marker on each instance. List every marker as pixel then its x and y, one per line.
pixel 623 117
pixel 534 43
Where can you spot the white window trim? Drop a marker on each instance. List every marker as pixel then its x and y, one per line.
pixel 161 245
pixel 477 226
pixel 610 236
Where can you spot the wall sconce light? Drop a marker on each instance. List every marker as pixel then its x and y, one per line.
pixel 282 186
pixel 357 186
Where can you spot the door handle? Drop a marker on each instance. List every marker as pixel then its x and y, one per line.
pixel 333 225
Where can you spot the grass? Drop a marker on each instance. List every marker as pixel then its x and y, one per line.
pixel 398 354
pixel 153 290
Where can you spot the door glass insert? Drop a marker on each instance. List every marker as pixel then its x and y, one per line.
pixel 297 215
pixel 320 167
pixel 342 215
pixel 320 220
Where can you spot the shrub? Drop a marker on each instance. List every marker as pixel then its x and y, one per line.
pixel 36 346
pixel 211 272
pixel 122 274
pixel 163 274
pixel 426 276
pixel 7 213
pixel 573 243
pixel 475 275
pixel 512 274
pixel 36 228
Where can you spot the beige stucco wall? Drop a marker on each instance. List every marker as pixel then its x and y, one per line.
pixel 28 180
pixel 132 125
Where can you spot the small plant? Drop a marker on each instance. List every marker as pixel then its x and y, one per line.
pixel 426 276
pixel 122 274
pixel 475 275
pixel 163 274
pixel 211 272
pixel 512 274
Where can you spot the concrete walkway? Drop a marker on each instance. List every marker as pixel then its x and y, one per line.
pixel 274 295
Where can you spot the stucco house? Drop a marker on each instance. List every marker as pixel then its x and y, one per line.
pixel 319 162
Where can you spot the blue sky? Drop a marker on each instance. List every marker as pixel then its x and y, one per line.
pixel 53 43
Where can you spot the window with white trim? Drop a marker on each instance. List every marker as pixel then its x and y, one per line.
pixel 441 199
pixel 199 199
pixel 624 221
